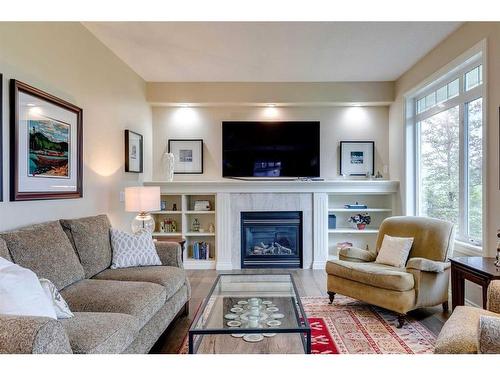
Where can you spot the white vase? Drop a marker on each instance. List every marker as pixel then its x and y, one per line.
pixel 169 166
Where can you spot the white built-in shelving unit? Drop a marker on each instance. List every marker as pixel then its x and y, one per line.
pixel 184 217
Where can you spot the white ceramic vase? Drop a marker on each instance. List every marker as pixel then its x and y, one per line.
pixel 169 166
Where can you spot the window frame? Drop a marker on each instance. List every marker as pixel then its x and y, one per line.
pixel 456 69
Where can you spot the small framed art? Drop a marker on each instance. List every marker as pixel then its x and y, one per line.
pixel 188 155
pixel 357 158
pixel 133 152
pixel 46 138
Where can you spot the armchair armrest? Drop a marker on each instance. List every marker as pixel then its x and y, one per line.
pixel 427 265
pixel 489 335
pixel 170 253
pixel 493 301
pixel 32 335
pixel 355 254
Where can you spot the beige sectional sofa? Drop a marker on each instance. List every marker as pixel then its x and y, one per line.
pixel 115 311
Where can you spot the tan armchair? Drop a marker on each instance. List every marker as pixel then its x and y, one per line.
pixel 472 330
pixel 422 283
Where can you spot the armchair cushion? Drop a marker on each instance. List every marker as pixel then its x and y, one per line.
pixel 355 254
pixel 493 302
pixel 378 275
pixel 427 265
pixel 489 335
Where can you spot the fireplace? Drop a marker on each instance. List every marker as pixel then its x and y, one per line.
pixel 271 239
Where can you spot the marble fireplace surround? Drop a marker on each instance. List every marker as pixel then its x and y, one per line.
pixel 241 202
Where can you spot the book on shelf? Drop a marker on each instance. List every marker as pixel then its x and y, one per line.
pixel 201 250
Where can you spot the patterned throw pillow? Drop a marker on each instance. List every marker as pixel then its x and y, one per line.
pixel 132 250
pixel 60 306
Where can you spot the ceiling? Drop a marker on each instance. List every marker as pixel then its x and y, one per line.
pixel 270 51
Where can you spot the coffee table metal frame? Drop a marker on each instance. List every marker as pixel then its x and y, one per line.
pixel 303 327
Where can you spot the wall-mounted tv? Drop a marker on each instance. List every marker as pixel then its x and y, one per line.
pixel 270 149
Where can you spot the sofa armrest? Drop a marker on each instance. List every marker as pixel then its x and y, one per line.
pixel 493 301
pixel 355 254
pixel 170 253
pixel 489 335
pixel 427 265
pixel 32 335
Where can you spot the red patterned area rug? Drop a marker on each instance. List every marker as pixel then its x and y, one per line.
pixel 349 326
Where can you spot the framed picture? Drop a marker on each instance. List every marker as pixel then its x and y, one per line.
pixel 1 139
pixel 46 145
pixel 188 154
pixel 133 152
pixel 357 158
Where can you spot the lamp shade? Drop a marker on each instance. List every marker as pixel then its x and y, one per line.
pixel 142 199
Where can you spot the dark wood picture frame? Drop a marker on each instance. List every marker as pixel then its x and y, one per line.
pixel 127 151
pixel 354 142
pixel 15 195
pixel 201 153
pixel 1 137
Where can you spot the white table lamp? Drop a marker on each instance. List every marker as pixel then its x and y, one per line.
pixel 142 199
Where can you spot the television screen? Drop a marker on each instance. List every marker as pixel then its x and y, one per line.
pixel 270 149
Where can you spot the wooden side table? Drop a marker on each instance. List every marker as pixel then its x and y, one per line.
pixel 478 270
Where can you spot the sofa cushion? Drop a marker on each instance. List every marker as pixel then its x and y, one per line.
pixel 172 278
pixel 4 251
pixel 46 250
pixel 460 333
pixel 142 300
pixel 90 237
pixel 100 333
pixel 374 274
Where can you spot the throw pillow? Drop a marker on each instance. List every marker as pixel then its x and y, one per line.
pixel 132 250
pixel 21 292
pixel 60 306
pixel 394 251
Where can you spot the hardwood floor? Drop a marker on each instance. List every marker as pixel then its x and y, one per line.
pixel 309 283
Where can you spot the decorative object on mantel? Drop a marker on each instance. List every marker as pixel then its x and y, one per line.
pixel 356 206
pixel 360 220
pixel 357 158
pixel 142 199
pixel 188 155
pixel 202 205
pixel 169 166
pixel 133 152
pixel 47 145
pixel 379 176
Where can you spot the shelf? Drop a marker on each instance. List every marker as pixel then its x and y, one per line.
pixel 165 234
pixel 353 231
pixel 166 212
pixel 200 212
pixel 199 264
pixel 360 210
pixel 199 234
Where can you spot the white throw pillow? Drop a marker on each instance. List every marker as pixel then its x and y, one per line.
pixel 132 250
pixel 21 292
pixel 60 306
pixel 394 251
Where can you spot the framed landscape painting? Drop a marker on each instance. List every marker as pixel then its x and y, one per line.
pixel 188 155
pixel 357 158
pixel 133 152
pixel 46 145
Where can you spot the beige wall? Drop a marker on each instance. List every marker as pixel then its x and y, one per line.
pixel 66 60
pixel 337 123
pixel 456 44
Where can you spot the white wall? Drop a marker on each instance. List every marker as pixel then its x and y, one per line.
pixel 66 60
pixel 337 123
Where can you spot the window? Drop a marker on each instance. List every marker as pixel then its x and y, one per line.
pixel 447 123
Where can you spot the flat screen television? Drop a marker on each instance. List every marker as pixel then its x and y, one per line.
pixel 270 149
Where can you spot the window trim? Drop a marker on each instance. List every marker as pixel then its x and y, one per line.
pixel 475 56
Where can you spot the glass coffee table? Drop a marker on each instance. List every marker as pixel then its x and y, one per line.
pixel 251 313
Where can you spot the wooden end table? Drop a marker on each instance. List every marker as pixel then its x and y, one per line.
pixel 479 270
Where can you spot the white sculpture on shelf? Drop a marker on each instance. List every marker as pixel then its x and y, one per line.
pixel 169 166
